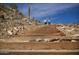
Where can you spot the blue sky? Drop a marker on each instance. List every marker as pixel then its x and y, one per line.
pixel 65 13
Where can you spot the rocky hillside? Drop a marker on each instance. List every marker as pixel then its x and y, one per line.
pixel 12 21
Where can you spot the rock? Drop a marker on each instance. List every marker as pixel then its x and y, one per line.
pixel 47 40
pixel 38 39
pixel 5 29
pixel 16 29
pixel 9 32
pixel 14 32
pixel 73 41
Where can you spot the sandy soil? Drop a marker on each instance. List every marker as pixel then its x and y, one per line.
pixel 39 46
pixel 46 30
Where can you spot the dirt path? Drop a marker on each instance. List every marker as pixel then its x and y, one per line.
pixel 39 46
